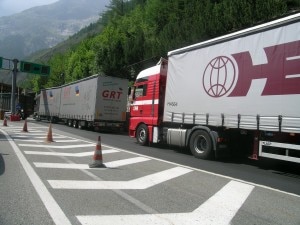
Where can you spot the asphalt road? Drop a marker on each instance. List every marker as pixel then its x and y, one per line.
pixel 284 176
pixel 50 183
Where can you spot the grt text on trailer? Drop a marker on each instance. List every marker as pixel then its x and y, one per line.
pixel 97 102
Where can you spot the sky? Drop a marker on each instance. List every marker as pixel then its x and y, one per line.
pixel 9 7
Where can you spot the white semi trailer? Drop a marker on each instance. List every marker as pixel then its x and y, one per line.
pixel 240 90
pixel 96 101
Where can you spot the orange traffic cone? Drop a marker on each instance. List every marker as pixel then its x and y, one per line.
pixel 49 135
pixel 98 160
pixel 5 122
pixel 25 126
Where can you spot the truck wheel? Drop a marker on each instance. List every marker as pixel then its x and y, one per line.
pixel 53 120
pixel 75 123
pixel 142 134
pixel 97 129
pixel 201 144
pixel 81 125
pixel 69 123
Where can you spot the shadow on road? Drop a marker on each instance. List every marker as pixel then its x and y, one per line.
pixel 2 164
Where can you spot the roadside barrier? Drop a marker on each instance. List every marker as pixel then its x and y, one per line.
pixel 15 118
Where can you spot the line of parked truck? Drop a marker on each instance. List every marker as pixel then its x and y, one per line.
pixel 240 90
pixel 97 102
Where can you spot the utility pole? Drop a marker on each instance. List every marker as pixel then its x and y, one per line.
pixel 13 86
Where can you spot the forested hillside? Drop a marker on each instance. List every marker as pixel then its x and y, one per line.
pixel 139 32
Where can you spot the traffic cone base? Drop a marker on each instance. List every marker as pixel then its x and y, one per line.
pixel 97 165
pixel 25 126
pixel 98 161
pixel 5 122
pixel 49 137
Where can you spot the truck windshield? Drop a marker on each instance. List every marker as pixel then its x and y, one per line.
pixel 140 90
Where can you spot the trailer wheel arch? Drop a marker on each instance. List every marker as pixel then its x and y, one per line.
pixel 206 134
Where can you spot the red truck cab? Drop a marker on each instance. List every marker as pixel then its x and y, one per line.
pixel 146 109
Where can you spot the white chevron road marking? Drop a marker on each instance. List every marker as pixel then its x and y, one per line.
pixel 16 134
pixel 113 164
pixel 35 137
pixel 53 146
pixel 140 183
pixel 41 141
pixel 80 154
pixel 217 210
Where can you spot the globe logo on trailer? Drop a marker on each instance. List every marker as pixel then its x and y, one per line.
pixel 219 76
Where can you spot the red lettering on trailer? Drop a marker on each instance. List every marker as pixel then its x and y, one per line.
pixel 111 94
pixel 282 72
pixel 283 63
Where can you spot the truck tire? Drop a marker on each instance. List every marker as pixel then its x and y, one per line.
pixel 75 123
pixel 70 122
pixel 53 119
pixel 81 125
pixel 142 134
pixel 201 144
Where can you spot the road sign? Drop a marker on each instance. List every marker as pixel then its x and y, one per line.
pixel 6 64
pixel 29 67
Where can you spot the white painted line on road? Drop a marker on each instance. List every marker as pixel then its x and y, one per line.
pixel 29 131
pixel 19 131
pixel 67 141
pixel 56 213
pixel 29 134
pixel 45 127
pixel 140 183
pixel 80 154
pixel 217 210
pixel 65 166
pixel 12 128
pixel 41 141
pixel 17 128
pixel 44 137
pixel 228 201
pixel 125 162
pixel 55 146
pixel 113 164
pixel 205 171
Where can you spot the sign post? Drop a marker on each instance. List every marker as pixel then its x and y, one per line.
pixel 13 86
pixel 26 67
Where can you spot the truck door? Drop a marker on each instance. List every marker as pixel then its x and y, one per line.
pixel 139 100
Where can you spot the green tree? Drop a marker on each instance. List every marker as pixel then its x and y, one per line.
pixel 137 33
pixel 58 68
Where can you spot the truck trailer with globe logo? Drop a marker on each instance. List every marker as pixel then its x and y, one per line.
pixel 239 91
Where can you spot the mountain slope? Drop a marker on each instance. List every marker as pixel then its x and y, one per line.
pixel 45 54
pixel 44 26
